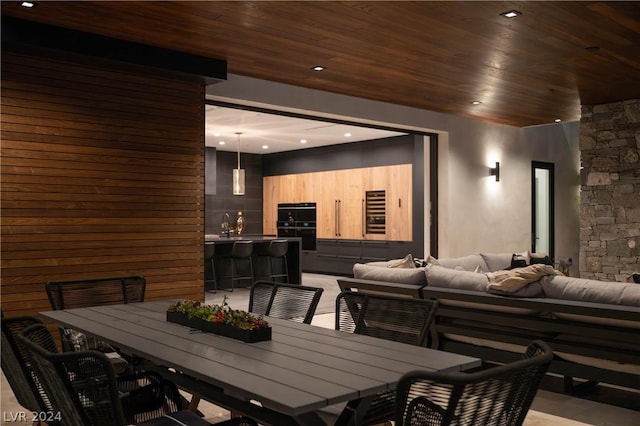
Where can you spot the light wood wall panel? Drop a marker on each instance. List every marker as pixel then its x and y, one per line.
pixel 102 175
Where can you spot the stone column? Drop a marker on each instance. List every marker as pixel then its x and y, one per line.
pixel 610 191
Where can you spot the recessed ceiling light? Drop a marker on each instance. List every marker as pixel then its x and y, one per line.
pixel 221 143
pixel 303 141
pixel 475 102
pixel 265 146
pixel 318 68
pixel 511 14
pixel 28 4
pixel 557 120
pixel 347 135
pixel 216 134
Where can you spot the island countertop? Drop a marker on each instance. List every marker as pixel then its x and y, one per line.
pixel 213 238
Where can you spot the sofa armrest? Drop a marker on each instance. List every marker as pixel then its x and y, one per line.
pixel 370 286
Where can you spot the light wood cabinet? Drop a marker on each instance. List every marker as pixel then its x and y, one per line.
pixel 340 197
pixel 397 185
pixel 339 205
pixel 270 199
pixel 400 203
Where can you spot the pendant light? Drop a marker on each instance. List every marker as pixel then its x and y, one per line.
pixel 238 174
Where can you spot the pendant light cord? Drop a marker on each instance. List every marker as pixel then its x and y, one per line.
pixel 238 146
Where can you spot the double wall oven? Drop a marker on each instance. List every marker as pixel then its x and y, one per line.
pixel 298 220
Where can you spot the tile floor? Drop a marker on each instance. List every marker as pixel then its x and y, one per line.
pixel 549 408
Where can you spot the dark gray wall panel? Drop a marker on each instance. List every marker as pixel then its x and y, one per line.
pixel 379 152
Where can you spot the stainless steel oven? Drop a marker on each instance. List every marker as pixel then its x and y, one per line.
pixel 298 220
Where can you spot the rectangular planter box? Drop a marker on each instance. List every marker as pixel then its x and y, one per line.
pixel 249 336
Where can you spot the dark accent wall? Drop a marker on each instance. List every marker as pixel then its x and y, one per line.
pixel 378 152
pixel 219 192
pixel 102 175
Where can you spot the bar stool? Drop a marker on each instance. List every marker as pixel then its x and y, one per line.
pixel 241 251
pixel 278 253
pixel 210 259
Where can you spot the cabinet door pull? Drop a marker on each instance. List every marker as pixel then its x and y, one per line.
pixel 399 202
pixel 338 222
pixel 364 219
pixel 335 217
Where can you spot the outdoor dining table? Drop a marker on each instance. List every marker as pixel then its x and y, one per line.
pixel 282 381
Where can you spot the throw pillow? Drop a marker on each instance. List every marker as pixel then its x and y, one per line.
pixel 405 262
pixel 420 263
pixel 540 258
pixel 432 261
pixel 518 261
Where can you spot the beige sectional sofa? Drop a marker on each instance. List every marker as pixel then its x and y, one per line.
pixel 592 326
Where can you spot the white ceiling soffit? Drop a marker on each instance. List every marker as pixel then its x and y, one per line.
pixel 278 132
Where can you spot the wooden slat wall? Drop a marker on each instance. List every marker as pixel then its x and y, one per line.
pixel 102 175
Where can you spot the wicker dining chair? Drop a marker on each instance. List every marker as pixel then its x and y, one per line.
pixel 17 368
pixel 399 319
pixel 82 293
pixel 286 301
pixel 83 389
pixel 497 396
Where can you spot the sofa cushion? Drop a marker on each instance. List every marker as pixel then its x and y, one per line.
pixel 393 275
pixel 571 288
pixel 496 261
pixel 472 262
pixel 438 276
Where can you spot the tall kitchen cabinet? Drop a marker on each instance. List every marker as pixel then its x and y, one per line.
pixel 339 203
pixel 362 214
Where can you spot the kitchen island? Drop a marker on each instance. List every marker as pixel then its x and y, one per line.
pixel 222 249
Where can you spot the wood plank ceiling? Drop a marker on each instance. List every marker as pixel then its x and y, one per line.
pixel 439 56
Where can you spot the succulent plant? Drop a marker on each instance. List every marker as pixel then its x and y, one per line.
pixel 219 314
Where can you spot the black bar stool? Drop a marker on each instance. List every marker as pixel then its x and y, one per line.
pixel 278 253
pixel 210 261
pixel 242 251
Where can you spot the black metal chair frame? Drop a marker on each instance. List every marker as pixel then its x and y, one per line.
pixel 281 300
pixel 499 396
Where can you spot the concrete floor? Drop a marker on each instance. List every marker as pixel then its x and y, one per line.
pixel 549 408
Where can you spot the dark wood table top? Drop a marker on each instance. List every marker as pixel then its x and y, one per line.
pixel 302 369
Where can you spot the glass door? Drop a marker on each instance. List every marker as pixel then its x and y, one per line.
pixel 542 219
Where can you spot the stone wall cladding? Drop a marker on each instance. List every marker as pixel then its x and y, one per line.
pixel 610 191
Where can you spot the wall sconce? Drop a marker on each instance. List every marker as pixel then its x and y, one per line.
pixel 495 171
pixel 238 174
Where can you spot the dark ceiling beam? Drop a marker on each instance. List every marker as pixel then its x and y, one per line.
pixel 28 36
